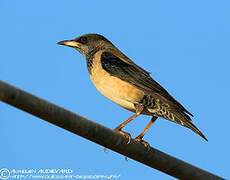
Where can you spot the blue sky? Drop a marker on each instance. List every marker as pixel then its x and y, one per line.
pixel 184 44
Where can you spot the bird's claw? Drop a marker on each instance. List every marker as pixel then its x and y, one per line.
pixel 127 135
pixel 104 149
pixel 146 144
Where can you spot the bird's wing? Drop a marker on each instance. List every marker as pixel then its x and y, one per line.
pixel 136 76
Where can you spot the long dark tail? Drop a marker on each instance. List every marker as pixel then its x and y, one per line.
pixel 184 120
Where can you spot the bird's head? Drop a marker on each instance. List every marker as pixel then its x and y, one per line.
pixel 88 43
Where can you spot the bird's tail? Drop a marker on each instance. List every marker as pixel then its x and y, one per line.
pixel 184 120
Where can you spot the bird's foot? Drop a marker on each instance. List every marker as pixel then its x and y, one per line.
pixel 146 144
pixel 127 135
pixel 104 149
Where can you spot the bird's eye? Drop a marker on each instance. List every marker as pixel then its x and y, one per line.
pixel 83 40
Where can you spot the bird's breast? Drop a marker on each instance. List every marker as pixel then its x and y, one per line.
pixel 115 89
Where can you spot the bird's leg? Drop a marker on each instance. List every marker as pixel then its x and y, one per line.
pixel 118 128
pixel 141 135
pixel 139 110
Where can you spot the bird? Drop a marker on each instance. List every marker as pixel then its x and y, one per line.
pixel 125 83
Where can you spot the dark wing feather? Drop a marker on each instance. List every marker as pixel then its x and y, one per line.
pixel 136 76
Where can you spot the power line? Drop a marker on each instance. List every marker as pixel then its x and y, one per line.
pixel 100 134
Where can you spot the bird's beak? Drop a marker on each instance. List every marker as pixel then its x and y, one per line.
pixel 70 43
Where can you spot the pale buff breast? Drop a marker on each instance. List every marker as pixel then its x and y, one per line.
pixel 118 91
